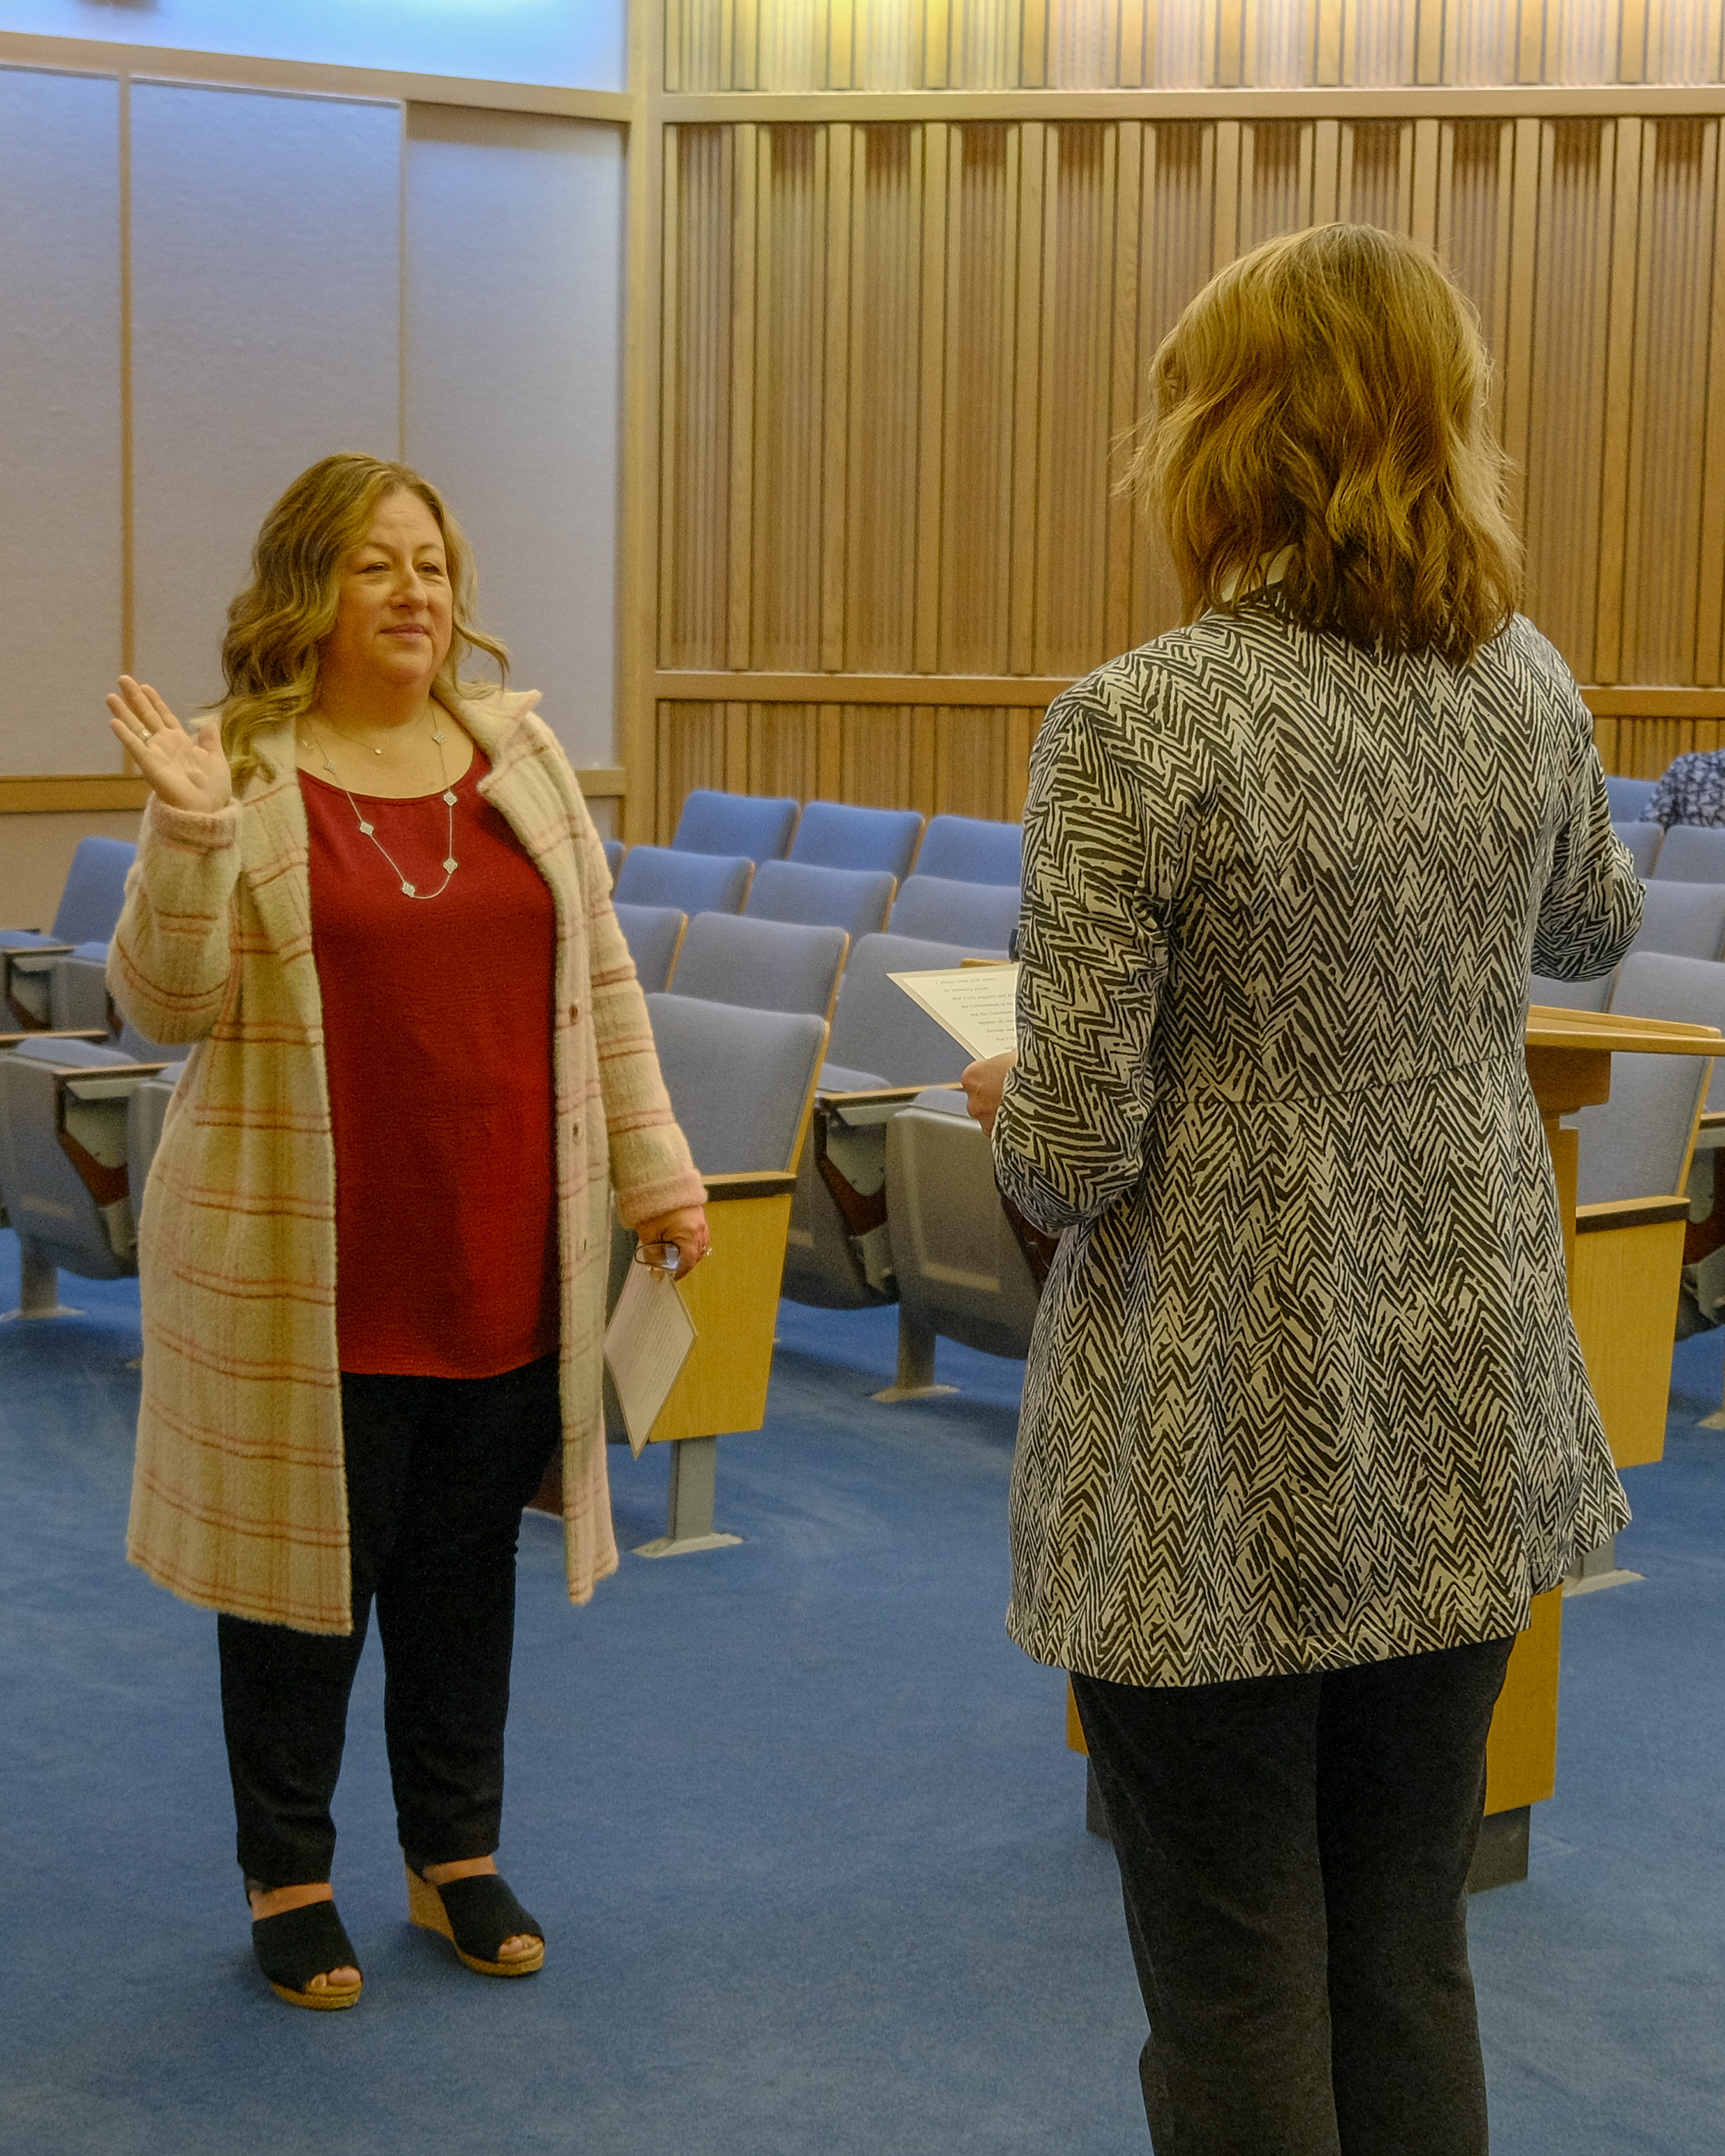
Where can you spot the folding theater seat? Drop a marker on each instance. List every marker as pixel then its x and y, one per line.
pixel 762 965
pixel 833 834
pixel 941 911
pixel 754 824
pixel 968 850
pixel 855 900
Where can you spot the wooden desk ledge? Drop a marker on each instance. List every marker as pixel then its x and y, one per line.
pixel 1549 1027
pixel 1629 1212
pixel 760 1183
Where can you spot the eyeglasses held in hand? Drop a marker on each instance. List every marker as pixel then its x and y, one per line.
pixel 664 1258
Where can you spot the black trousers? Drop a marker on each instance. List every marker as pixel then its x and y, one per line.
pixel 439 1470
pixel 1294 1855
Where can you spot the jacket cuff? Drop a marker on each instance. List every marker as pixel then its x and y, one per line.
pixel 205 831
pixel 648 1200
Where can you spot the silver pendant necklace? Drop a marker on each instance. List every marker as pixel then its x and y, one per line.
pixel 368 830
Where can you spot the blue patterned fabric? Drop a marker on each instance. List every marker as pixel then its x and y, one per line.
pixel 1692 791
pixel 1304 1390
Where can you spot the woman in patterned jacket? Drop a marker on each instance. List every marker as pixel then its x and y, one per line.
pixel 1306 1425
pixel 374 1244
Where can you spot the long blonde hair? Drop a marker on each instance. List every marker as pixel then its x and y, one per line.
pixel 1324 400
pixel 277 625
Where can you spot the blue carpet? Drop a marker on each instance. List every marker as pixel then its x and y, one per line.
pixel 798 1819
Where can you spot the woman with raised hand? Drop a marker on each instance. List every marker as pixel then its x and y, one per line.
pixel 1306 1425
pixel 375 1244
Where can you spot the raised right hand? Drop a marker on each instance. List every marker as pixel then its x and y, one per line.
pixel 187 770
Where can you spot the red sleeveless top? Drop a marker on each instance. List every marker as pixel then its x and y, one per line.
pixel 437 1030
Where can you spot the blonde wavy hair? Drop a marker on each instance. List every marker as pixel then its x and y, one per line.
pixel 1325 401
pixel 277 625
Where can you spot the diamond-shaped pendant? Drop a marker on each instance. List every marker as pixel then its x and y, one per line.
pixel 451 865
pixel 449 797
pixel 409 890
pixel 365 829
pixel 439 736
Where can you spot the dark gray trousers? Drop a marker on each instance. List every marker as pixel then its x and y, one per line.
pixel 439 1470
pixel 1294 1855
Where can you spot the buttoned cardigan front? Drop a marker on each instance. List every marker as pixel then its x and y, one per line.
pixel 239 1497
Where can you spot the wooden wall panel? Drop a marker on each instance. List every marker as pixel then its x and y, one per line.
pixel 1673 315
pixel 1566 439
pixel 972 760
pixel 801 45
pixel 887 173
pixel 790 357
pixel 1079 300
pixel 975 578
pixel 903 345
pixel 696 397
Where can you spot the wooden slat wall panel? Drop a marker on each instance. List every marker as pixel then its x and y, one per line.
pixel 971 761
pixel 1566 433
pixel 696 432
pixel 899 356
pixel 982 242
pixel 886 286
pixel 1079 302
pixel 1669 406
pixel 1181 44
pixel 1642 748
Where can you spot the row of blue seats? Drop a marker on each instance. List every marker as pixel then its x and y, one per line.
pixel 837 901
pixel 698 873
pixel 838 835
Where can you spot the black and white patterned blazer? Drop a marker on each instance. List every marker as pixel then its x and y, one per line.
pixel 1304 1390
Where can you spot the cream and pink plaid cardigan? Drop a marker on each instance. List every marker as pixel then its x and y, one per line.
pixel 239 1498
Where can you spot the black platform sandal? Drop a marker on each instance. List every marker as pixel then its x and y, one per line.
pixel 301 1943
pixel 475 1915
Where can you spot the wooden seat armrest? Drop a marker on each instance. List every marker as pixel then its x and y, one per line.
pixel 99 1034
pixel 1629 1212
pixel 762 1183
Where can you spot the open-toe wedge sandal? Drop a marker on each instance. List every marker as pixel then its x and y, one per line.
pixel 301 1943
pixel 475 1915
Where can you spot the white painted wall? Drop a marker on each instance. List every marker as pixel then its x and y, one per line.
pixel 266 333
pixel 270 295
pixel 579 44
pixel 514 295
pixel 60 441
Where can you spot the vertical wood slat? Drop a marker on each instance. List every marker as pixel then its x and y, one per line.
pixel 1523 254
pixel 1326 161
pixel 1710 610
pixel 1634 342
pixel 835 416
pixel 1135 173
pixel 745 152
pixel 1225 196
pixel 1624 276
pixel 1027 396
pixel 931 399
pixel 1049 384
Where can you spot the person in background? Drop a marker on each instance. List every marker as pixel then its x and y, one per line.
pixel 1305 1426
pixel 375 1238
pixel 1692 791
